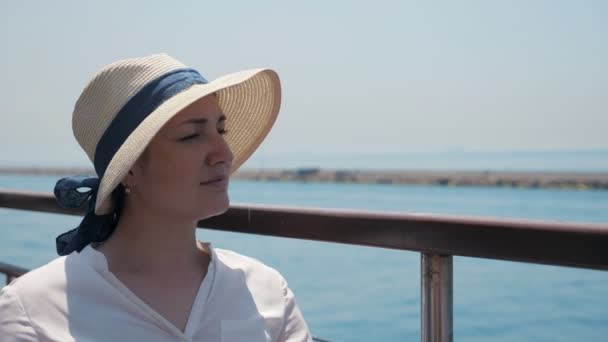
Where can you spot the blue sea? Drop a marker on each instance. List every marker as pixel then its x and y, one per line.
pixel 350 293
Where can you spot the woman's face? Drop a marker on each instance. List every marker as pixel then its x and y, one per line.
pixel 184 170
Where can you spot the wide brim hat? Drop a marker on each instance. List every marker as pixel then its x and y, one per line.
pixel 129 101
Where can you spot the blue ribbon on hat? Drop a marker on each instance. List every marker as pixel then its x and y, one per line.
pixel 93 228
pixel 97 228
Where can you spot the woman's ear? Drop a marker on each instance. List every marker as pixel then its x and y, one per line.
pixel 135 172
pixel 129 180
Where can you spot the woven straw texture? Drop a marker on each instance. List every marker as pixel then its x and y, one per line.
pixel 250 100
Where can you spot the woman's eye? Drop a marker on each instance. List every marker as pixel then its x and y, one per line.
pixel 189 137
pixel 193 136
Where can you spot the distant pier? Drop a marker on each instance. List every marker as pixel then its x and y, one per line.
pixel 565 180
pixel 442 178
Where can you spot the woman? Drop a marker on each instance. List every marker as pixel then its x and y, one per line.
pixel 163 141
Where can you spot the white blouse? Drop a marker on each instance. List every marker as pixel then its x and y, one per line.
pixel 76 298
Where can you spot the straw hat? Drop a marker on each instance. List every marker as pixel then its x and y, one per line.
pixel 128 102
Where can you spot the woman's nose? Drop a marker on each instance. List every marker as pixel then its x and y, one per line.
pixel 220 153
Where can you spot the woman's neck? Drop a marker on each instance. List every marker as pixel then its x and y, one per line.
pixel 151 244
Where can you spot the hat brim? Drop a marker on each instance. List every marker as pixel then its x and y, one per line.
pixel 250 100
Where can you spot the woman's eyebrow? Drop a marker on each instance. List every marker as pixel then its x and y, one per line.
pixel 202 121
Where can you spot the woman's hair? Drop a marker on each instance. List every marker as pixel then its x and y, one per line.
pixel 118 197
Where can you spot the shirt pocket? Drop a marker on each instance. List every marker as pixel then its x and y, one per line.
pixel 251 330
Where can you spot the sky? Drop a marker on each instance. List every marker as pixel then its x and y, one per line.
pixel 367 77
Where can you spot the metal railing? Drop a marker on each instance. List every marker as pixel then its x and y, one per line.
pixel 436 237
pixel 12 272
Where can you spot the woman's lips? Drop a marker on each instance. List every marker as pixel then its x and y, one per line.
pixel 216 181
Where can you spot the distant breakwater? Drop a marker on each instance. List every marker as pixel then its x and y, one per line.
pixel 443 178
pixel 564 180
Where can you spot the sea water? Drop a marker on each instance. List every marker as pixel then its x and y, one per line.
pixel 352 293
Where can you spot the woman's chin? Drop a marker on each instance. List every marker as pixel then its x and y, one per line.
pixel 215 207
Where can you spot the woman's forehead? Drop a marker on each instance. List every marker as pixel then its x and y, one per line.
pixel 206 108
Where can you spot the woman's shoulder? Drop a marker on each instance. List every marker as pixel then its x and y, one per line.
pixel 267 294
pixel 32 294
pixel 245 263
pixel 41 277
pixel 234 267
pixel 49 279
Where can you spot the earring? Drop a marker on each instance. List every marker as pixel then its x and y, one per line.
pixel 127 189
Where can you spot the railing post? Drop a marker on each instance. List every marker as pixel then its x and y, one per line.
pixel 436 298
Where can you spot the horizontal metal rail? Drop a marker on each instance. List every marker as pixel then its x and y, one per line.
pixel 11 272
pixel 582 245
